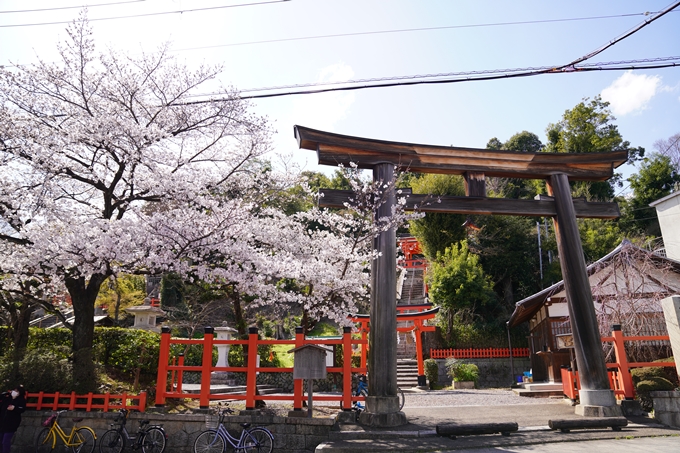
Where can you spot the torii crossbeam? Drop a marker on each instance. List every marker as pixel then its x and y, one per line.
pixel 474 165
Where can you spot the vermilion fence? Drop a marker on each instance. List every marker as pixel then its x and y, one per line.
pixel 476 353
pixel 620 378
pixel 167 371
pixel 89 402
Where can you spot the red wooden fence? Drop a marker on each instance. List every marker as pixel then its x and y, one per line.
pixel 165 389
pixel 476 353
pixel 620 378
pixel 89 402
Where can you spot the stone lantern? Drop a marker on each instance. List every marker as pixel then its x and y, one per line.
pixel 146 316
pixel 223 333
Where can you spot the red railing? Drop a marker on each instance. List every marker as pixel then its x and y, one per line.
pixel 89 402
pixel 620 378
pixel 476 353
pixel 172 388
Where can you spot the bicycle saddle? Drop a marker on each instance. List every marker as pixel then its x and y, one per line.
pixel 143 422
pixel 245 425
pixel 78 420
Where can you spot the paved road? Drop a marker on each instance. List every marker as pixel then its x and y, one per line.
pixel 669 444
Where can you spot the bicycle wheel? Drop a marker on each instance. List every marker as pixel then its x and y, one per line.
pixel 257 440
pixel 111 442
pixel 402 398
pixel 154 440
pixel 45 441
pixel 83 441
pixel 209 441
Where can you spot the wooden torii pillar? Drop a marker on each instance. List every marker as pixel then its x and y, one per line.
pixel 383 157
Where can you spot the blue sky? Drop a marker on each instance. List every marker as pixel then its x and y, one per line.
pixel 455 36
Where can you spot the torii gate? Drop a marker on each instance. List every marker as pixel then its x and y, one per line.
pixel 382 157
pixel 419 313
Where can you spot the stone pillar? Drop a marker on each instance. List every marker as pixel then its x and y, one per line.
pixel 671 311
pixel 382 404
pixel 596 397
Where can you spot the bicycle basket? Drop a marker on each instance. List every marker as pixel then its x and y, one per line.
pixel 49 420
pixel 211 422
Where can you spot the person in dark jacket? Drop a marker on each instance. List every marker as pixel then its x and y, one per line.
pixel 12 404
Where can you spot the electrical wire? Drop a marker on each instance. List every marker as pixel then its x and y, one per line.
pixel 464 77
pixel 266 2
pixel 408 30
pixel 675 59
pixel 69 7
pixel 498 74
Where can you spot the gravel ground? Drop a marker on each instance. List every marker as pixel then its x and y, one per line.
pixel 419 399
pixel 477 397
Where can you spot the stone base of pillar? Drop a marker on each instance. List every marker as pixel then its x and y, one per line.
pixel 598 403
pixel 382 412
pixel 598 411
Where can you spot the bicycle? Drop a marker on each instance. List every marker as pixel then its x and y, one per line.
pixel 362 390
pixel 79 440
pixel 258 439
pixel 150 438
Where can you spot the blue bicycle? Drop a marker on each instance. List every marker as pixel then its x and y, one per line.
pixel 362 390
pixel 252 440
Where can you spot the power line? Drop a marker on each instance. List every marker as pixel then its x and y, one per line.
pixel 461 77
pixel 502 74
pixel 151 14
pixel 453 74
pixel 408 30
pixel 69 7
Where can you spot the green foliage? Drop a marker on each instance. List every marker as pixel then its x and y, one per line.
pixel 322 329
pixel 128 290
pixel 652 384
pixel 461 371
pixel 431 372
pixel 649 373
pixel 506 246
pixel 56 340
pixel 41 370
pixel 127 349
pixel 589 128
pixel 598 237
pixel 457 281
pixel 268 356
pixel 436 232
pixel 655 179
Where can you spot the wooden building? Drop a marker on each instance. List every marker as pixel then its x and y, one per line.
pixel 627 285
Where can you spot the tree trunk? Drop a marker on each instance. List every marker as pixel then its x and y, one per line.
pixel 20 319
pixel 83 296
pixel 508 295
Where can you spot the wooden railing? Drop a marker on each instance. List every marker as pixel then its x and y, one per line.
pixel 620 378
pixel 89 402
pixel 169 374
pixel 477 353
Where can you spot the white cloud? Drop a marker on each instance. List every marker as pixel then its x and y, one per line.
pixel 323 111
pixel 631 92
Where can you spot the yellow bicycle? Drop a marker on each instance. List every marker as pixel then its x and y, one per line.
pixel 79 440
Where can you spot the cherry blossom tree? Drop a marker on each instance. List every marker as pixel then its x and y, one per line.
pixel 109 165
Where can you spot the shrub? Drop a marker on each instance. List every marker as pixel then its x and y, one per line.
pixel 653 384
pixel 432 372
pixel 127 349
pixel 461 371
pixel 41 370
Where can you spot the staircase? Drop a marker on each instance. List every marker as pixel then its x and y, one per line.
pixel 407 373
pixel 413 288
